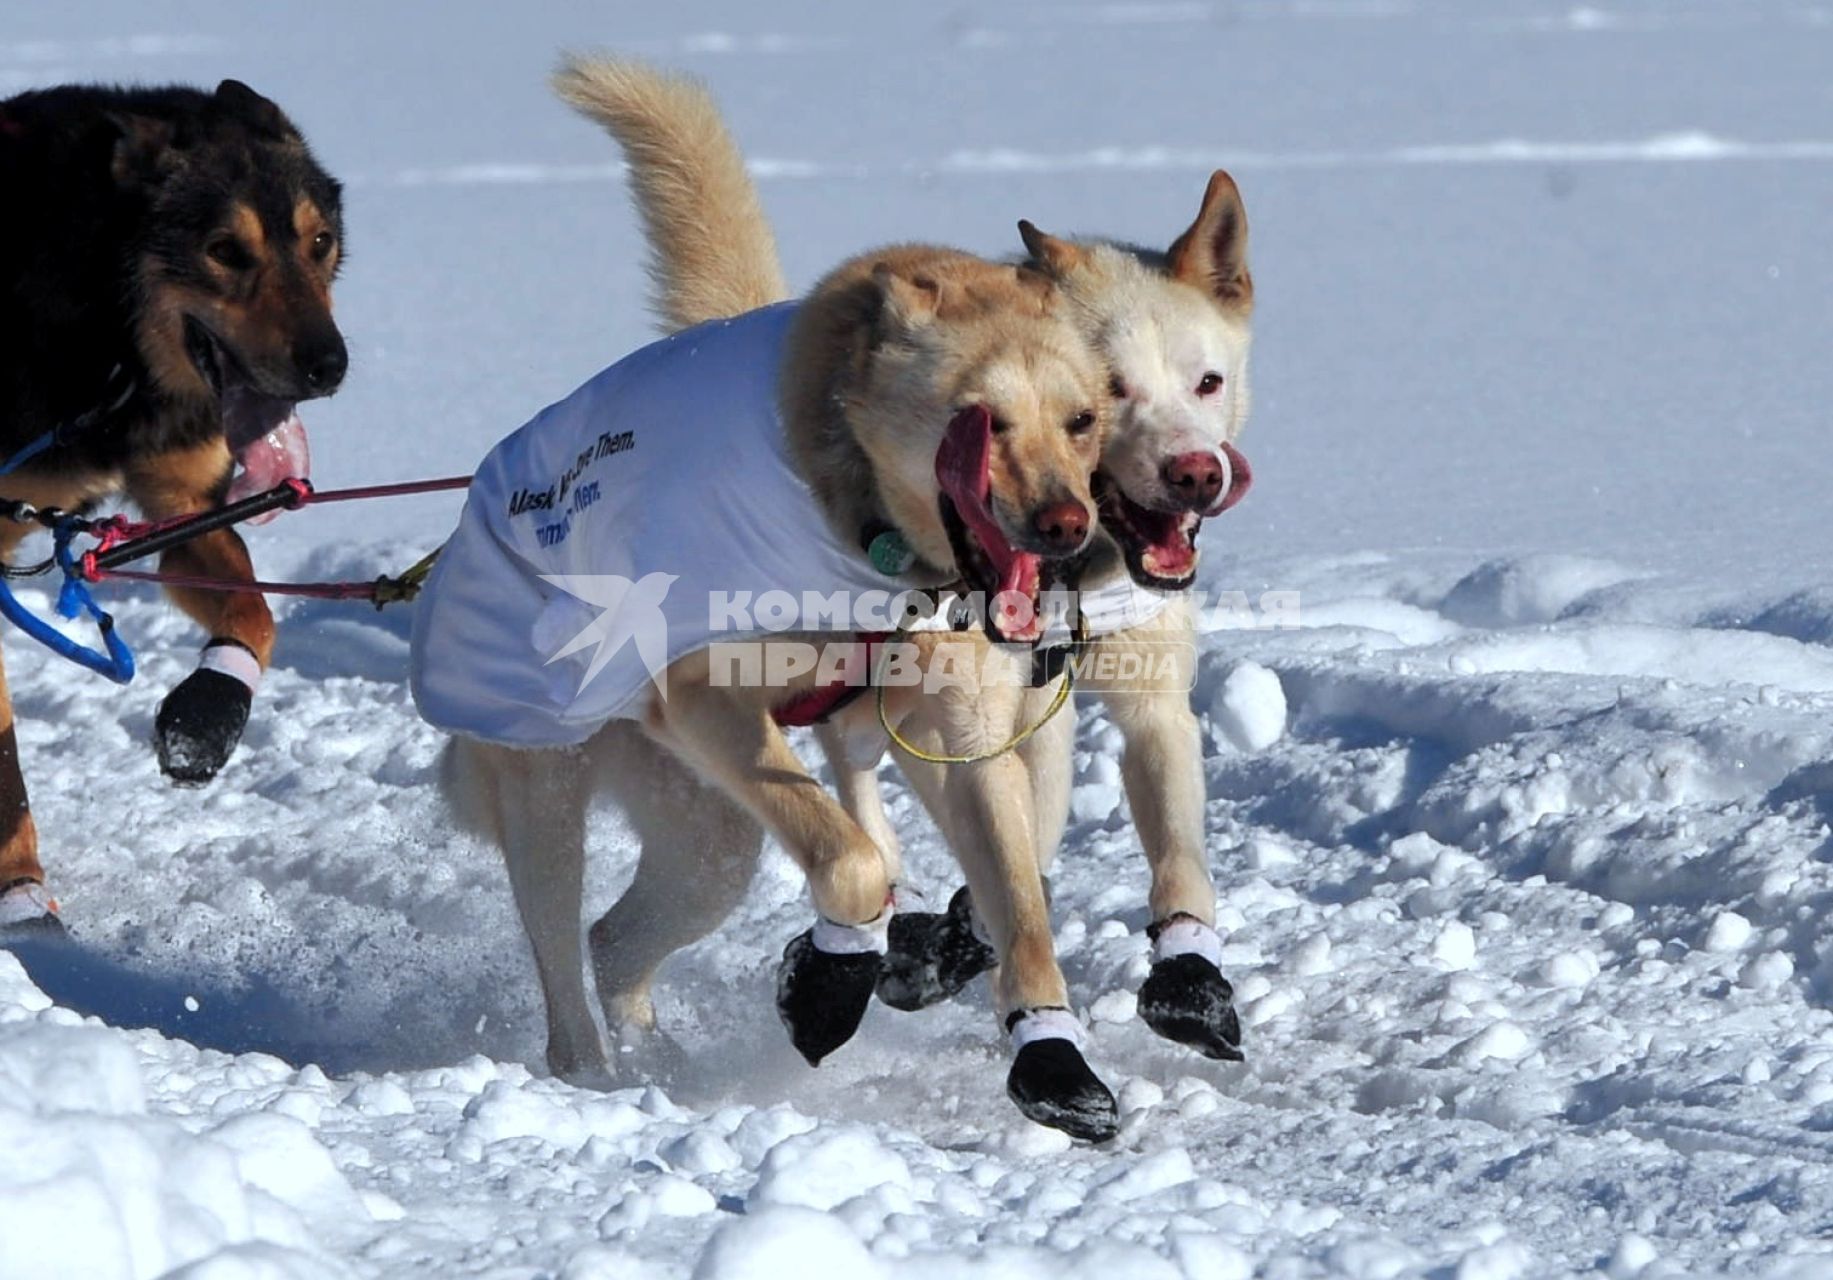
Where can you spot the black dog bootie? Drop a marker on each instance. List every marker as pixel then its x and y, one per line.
pixel 824 984
pixel 201 721
pixel 1185 998
pixel 1051 1082
pixel 933 955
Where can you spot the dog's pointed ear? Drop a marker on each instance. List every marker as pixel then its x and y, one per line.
pixel 1212 254
pixel 146 150
pixel 237 100
pixel 907 300
pixel 1058 257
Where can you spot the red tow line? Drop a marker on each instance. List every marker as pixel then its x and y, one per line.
pixel 123 541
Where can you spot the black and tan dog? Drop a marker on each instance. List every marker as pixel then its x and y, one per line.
pixel 166 259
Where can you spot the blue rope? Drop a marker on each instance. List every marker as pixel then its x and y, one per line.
pixel 117 663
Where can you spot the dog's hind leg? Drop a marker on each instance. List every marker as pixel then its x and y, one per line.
pixel 699 852
pixel 534 804
pixel 202 719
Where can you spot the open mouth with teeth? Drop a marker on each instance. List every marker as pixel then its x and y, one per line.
pixel 264 431
pixel 1011 581
pixel 1160 547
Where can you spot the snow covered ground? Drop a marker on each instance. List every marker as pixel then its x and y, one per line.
pixel 1523 838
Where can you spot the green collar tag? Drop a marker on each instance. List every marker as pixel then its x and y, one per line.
pixel 890 554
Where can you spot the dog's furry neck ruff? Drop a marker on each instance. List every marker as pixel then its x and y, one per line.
pixel 848 496
pixel 829 347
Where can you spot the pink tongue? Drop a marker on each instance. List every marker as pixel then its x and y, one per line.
pixel 281 454
pixel 963 464
pixel 1240 476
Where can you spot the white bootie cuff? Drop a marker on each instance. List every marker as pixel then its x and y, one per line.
pixel 25 902
pixel 874 936
pixel 232 660
pixel 1185 936
pixel 1045 1024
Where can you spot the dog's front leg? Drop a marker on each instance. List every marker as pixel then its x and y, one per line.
pixel 201 720
pixel 989 812
pixel 1161 765
pixel 1185 997
pixel 995 841
pixel 825 981
pixel 24 904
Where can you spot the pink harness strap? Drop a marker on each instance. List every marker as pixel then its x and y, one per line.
pixel 819 703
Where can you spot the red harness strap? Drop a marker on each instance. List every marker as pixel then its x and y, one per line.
pixel 824 700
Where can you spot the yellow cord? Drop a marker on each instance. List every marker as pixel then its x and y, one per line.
pixel 1024 735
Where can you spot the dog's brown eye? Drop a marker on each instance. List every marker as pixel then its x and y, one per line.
pixel 1211 383
pixel 321 245
pixel 1082 423
pixel 1000 425
pixel 1117 388
pixel 228 252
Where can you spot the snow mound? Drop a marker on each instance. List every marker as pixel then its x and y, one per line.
pixel 1526 590
pixel 1249 711
pixel 111 1192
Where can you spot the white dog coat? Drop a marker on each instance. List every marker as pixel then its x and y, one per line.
pixel 635 522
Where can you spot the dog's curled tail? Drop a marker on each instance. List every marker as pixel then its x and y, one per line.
pixel 711 252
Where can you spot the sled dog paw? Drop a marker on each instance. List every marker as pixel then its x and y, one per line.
pixel 1185 998
pixel 824 984
pixel 933 955
pixel 1050 1081
pixel 201 720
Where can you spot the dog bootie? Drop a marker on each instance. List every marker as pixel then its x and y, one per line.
pixel 824 984
pixel 1185 998
pixel 28 913
pixel 1050 1081
pixel 933 955
pixel 201 721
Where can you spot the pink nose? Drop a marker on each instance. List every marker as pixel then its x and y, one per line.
pixel 1063 526
pixel 1196 478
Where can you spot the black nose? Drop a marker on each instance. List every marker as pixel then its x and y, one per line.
pixel 1062 526
pixel 1197 478
pixel 322 363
